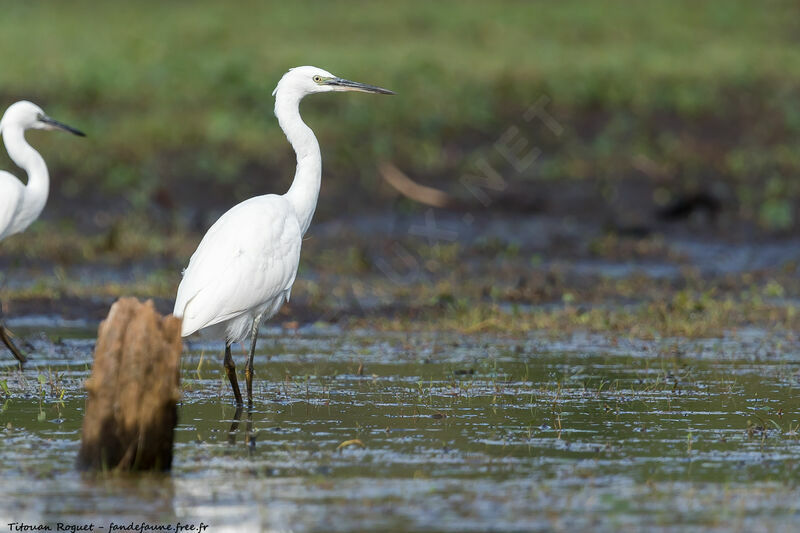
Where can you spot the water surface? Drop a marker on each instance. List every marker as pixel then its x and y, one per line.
pixel 454 434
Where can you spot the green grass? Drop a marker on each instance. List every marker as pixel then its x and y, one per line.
pixel 176 96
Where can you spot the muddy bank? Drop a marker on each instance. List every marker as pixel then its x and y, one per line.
pixel 444 269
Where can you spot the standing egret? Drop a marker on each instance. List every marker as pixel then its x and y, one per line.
pixel 21 204
pixel 244 268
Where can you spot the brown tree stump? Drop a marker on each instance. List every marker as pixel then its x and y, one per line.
pixel 131 411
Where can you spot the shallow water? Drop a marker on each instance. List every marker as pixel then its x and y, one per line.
pixel 459 434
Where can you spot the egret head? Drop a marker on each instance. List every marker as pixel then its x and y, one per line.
pixel 301 81
pixel 29 116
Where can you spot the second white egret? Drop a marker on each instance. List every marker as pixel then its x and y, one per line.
pixel 21 204
pixel 243 270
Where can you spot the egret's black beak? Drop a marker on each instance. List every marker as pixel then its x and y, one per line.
pixel 347 85
pixel 61 126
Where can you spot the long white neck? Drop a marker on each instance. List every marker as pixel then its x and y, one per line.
pixel 304 191
pixel 32 163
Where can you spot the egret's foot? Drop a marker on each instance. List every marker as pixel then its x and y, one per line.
pixel 237 416
pixel 250 437
pixel 230 370
pixel 5 335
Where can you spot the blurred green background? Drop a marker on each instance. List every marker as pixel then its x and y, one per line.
pixel 668 98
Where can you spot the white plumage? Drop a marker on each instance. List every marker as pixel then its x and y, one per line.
pixel 11 193
pixel 244 268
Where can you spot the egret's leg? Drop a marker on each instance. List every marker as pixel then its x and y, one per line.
pixel 4 335
pixel 248 370
pixel 230 370
pixel 6 338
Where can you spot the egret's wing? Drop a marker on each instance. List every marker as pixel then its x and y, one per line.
pixel 247 258
pixel 11 191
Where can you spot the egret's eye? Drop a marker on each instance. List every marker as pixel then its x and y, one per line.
pixel 317 79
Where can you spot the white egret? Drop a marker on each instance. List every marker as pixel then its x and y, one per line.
pixel 244 268
pixel 21 204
